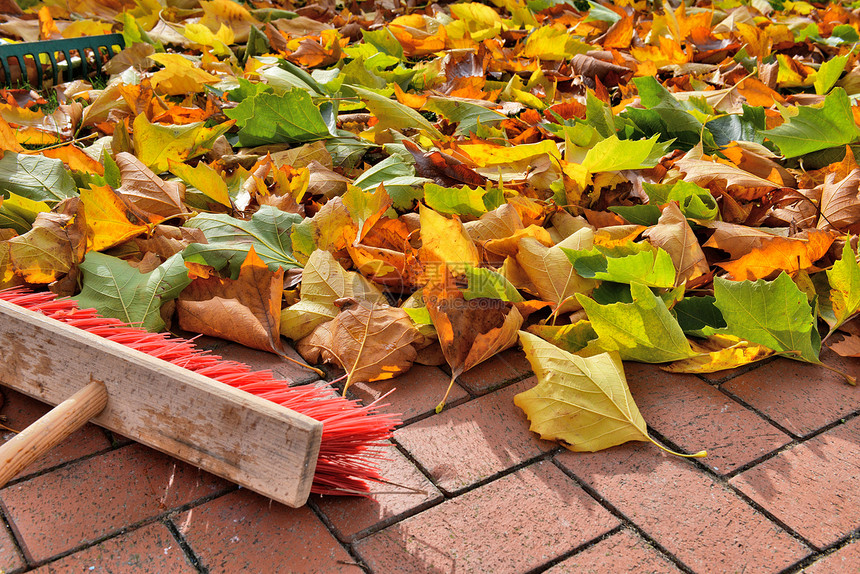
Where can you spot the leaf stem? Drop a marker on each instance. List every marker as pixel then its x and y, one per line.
pixel 848 378
pixel 441 404
pixel 700 454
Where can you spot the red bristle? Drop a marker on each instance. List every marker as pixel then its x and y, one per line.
pixel 353 437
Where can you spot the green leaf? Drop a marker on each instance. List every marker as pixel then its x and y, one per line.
pixel 274 118
pixel 698 316
pixel 230 239
pixel 484 283
pixel 599 115
pixel 644 330
pixel 613 154
pixel 744 127
pixel 816 128
pixel 647 214
pixel 36 177
pixel 844 278
pixel 460 201
pixel 465 114
pixel 398 176
pixel 19 213
pixel 393 114
pixel 384 41
pixel 829 73
pixel 695 202
pixel 571 338
pixel 632 263
pixel 116 289
pixel 365 206
pixel 775 314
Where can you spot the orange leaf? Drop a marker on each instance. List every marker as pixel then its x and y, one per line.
pixel 780 254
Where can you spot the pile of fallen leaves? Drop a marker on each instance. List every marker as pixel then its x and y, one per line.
pixel 387 183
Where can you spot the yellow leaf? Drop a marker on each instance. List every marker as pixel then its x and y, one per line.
pixel 111 219
pixel 484 154
pixel 155 145
pixel 717 353
pixel 179 76
pixel 202 35
pixel 205 179
pixel 584 402
pixel 445 243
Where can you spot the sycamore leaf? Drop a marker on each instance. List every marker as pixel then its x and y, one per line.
pixel 36 177
pixel 205 179
pixel 54 246
pixel 674 235
pixel 780 254
pixel 584 402
pixel 694 201
pixel 627 263
pixel 180 76
pixel 484 283
pixel 146 191
pixel 840 202
pixel 698 316
pixel 273 118
pixel 458 201
pixel 828 73
pixel 775 314
pixel 246 310
pixel 717 353
pixel 230 239
pixel 156 145
pixel 370 341
pixel 324 281
pixel 613 154
pixel 365 208
pixel 816 128
pixel 445 243
pixel 572 338
pixel 844 278
pixel 703 172
pixel 393 115
pixel 643 330
pixel 470 332
pixel 116 289
pixel 552 273
pixel 18 212
pixel 111 218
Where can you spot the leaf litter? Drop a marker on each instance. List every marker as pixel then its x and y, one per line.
pixel 385 185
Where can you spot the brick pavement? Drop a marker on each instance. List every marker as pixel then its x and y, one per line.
pixel 779 492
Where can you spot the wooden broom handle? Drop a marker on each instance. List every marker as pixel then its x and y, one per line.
pixel 41 436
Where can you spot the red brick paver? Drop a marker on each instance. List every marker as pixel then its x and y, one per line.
pixel 701 522
pixel 514 524
pixel 10 558
pixel 694 415
pixel 820 502
pixel 82 502
pixel 495 371
pixel 846 560
pixel 21 411
pixel 244 532
pixel 797 396
pixel 148 549
pixel 469 443
pixel 621 552
pixel 413 394
pixel 352 516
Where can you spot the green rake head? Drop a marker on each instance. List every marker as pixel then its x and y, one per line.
pixel 21 61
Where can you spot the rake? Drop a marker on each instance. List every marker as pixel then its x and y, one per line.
pixel 246 426
pixel 19 61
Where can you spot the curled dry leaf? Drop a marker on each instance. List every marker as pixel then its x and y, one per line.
pixel 148 192
pixel 470 332
pixel 246 310
pixel 673 234
pixel 370 341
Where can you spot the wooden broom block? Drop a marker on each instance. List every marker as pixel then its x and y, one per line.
pixel 255 443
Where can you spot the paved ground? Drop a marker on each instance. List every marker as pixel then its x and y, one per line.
pixel 778 493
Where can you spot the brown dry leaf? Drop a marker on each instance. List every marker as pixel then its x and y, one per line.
pixel 552 273
pixel 470 332
pixel 737 240
pixel 148 192
pixel 167 240
pixel 840 202
pixel 370 341
pixel 386 256
pixel 702 172
pixel 54 246
pixel 780 254
pixel 849 346
pixel 499 223
pixel 246 310
pixel 673 234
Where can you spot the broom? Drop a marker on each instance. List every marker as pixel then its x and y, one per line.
pixel 353 435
